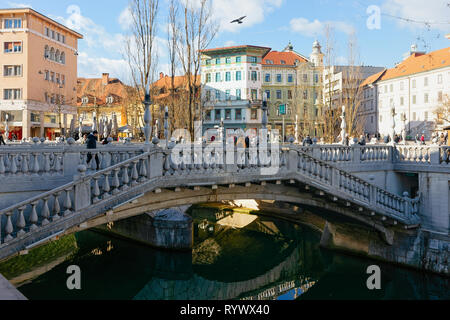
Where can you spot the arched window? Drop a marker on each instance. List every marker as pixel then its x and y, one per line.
pixel 63 58
pixel 46 53
pixel 52 54
pixel 57 56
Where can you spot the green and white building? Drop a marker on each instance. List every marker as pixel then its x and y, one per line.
pixel 231 80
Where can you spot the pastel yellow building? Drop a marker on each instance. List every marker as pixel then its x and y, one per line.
pixel 38 75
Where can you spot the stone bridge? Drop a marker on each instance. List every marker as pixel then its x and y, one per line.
pixel 135 179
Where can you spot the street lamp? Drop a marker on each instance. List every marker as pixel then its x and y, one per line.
pixel 264 110
pixel 147 117
pixel 6 127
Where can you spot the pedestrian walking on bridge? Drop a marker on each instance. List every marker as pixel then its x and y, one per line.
pixel 92 144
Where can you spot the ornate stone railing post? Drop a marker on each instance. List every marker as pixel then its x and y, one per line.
pixel 71 158
pixel 408 204
pixel 356 154
pixel 435 155
pixel 155 165
pixel 293 160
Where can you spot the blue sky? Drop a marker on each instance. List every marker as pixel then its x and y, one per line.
pixel 271 23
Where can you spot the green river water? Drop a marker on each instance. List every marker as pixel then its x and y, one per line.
pixel 266 259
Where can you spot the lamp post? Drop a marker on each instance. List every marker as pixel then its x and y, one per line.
pixel 264 110
pixel 166 125
pixel 296 128
pixel 6 127
pixel 393 114
pixel 80 129
pixel 147 117
pixel 343 126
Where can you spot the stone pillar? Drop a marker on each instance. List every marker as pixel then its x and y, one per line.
pixel 169 229
pixel 26 124
pixel 435 155
pixel 71 161
pixel 156 164
pixel 42 119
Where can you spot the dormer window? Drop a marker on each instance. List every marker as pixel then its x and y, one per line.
pixel 110 100
pixel 269 61
pixel 85 100
pixel 283 62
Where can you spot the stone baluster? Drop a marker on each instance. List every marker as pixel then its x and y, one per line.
pixel 106 188
pixel 96 190
pixel 58 166
pixel 45 214
pixel 34 219
pixel 9 229
pixel 68 203
pixel 56 207
pixel 116 182
pixel 143 168
pixel 36 163
pixel 13 169
pixel 125 177
pixel 21 224
pixel 46 166
pixel 134 174
pixel 25 169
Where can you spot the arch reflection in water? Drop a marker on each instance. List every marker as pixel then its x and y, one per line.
pixel 265 259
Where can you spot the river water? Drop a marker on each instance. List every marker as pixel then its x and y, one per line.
pixel 241 257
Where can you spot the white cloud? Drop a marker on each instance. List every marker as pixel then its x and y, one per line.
pixel 224 11
pixel 19 5
pixel 126 19
pixel 316 27
pixel 435 11
pixel 95 36
pixel 91 67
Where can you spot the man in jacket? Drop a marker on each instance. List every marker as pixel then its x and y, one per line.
pixel 92 144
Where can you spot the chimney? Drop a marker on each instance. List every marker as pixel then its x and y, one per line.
pixel 105 79
pixel 161 75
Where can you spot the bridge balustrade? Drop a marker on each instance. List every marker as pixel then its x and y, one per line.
pixel 127 172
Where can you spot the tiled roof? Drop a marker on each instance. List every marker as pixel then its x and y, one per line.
pixel 373 78
pixel 180 81
pixel 95 88
pixel 419 62
pixel 235 47
pixel 277 57
pixel 165 83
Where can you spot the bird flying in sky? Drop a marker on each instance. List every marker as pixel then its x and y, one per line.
pixel 239 21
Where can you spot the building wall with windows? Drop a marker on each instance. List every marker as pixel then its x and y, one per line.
pixel 280 86
pixel 416 87
pixel 38 61
pixel 232 87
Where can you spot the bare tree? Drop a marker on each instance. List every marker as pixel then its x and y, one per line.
pixel 172 43
pixel 352 92
pixel 331 113
pixel 140 48
pixel 198 31
pixel 443 111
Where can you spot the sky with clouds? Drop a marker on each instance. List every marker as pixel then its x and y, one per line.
pixel 271 23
